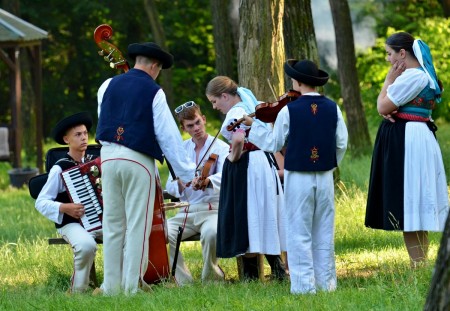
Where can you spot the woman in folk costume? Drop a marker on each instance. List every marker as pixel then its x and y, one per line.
pixel 316 136
pixel 251 218
pixel 408 188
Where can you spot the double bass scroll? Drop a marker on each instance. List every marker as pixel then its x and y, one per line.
pixel 109 51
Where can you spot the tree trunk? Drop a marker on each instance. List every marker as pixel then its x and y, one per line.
pixel 223 39
pixel 439 294
pixel 160 39
pixel 261 47
pixel 299 36
pixel 445 7
pixel 359 139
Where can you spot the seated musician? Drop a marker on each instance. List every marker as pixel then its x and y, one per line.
pixel 54 203
pixel 201 215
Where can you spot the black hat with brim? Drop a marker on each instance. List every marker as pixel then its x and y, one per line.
pixel 306 72
pixel 65 124
pixel 151 50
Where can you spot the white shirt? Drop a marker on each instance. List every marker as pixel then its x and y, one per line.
pixel 407 86
pixel 210 195
pixel 45 202
pixel 273 141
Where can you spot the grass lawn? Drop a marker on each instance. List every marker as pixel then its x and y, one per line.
pixel 372 266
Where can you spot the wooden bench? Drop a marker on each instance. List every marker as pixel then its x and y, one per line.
pixel 239 260
pixel 93 273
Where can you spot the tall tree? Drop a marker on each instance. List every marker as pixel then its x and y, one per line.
pixel 445 7
pixel 261 46
pixel 298 29
pixel 359 139
pixel 160 39
pixel 223 44
pixel 300 39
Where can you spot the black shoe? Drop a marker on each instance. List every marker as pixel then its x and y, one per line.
pixel 277 267
pixel 250 268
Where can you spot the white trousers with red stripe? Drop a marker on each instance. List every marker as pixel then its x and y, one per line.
pixel 84 249
pixel 128 183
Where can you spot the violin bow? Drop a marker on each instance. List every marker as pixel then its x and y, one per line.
pixel 207 150
pixel 271 88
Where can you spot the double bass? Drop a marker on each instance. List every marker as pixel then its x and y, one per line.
pixel 158 261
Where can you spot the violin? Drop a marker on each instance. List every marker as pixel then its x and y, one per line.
pixel 158 260
pixel 268 112
pixel 209 167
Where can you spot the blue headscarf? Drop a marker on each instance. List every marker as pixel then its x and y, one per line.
pixel 248 100
pixel 423 54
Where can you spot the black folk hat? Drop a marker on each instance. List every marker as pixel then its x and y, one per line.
pixel 306 72
pixel 151 50
pixel 65 124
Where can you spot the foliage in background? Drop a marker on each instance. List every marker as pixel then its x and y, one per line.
pixel 72 69
pixel 373 67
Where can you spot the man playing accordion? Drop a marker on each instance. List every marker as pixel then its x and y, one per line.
pixel 54 202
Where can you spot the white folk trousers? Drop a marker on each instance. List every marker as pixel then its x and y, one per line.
pixel 201 219
pixel 84 249
pixel 128 182
pixel 309 203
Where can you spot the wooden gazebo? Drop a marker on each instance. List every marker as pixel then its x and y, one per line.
pixel 17 36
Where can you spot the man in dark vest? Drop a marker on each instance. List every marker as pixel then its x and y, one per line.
pixel 316 136
pixel 135 128
pixel 54 203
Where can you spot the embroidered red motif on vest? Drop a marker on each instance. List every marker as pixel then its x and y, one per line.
pixel 314 154
pixel 120 130
pixel 314 108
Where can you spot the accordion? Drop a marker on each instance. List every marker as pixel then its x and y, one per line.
pixel 83 184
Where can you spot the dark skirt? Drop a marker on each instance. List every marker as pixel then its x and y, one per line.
pixel 385 197
pixel 232 227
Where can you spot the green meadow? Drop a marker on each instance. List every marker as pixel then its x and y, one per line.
pixel 372 266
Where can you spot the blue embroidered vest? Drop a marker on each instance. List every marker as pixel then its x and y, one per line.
pixel 422 104
pixel 126 115
pixel 311 145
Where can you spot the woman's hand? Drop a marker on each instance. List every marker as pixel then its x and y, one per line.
pixel 237 144
pixel 247 120
pixel 389 116
pixel 396 70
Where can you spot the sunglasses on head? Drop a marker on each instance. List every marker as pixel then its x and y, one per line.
pixel 188 104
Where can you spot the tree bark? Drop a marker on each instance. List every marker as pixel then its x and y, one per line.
pixel 359 139
pixel 299 35
pixel 445 7
pixel 439 293
pixel 261 47
pixel 226 54
pixel 160 39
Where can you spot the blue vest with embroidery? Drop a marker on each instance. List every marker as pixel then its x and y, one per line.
pixel 126 115
pixel 311 144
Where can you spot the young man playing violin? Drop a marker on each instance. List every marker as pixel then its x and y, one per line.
pixel 202 195
pixel 316 136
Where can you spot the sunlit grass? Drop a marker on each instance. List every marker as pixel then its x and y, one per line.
pixel 373 266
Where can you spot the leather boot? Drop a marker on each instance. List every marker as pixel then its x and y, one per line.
pixel 277 267
pixel 250 268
